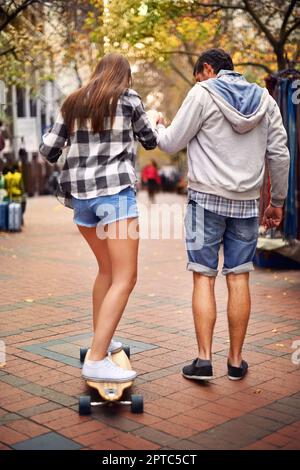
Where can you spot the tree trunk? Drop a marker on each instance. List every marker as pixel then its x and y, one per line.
pixel 280 56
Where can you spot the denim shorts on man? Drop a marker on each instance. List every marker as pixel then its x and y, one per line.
pixel 206 230
pixel 105 209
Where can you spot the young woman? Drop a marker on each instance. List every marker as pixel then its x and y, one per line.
pixel 100 123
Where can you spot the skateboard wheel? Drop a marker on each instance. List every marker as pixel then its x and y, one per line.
pixel 85 406
pixel 83 352
pixel 126 350
pixel 137 404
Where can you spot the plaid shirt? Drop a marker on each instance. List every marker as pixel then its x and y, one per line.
pixel 226 207
pixel 99 164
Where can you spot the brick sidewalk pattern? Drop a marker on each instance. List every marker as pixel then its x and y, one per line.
pixel 46 276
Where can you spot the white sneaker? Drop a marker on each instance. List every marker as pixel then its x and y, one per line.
pixel 114 347
pixel 106 371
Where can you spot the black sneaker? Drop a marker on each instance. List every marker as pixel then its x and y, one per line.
pixel 237 373
pixel 200 369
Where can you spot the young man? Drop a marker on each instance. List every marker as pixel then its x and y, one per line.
pixel 230 127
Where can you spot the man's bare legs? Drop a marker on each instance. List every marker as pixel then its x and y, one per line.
pixel 204 311
pixel 238 311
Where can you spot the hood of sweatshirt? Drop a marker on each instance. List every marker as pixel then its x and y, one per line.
pixel 242 103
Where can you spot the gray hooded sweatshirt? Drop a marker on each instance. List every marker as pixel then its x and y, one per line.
pixel 230 126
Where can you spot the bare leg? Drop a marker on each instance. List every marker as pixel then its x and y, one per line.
pixel 104 277
pixel 238 310
pixel 123 257
pixel 204 311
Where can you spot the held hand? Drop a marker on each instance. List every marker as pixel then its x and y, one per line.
pixel 153 116
pixel 272 217
pixel 160 119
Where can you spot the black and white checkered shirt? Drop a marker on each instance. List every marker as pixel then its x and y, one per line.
pixel 225 207
pixel 99 164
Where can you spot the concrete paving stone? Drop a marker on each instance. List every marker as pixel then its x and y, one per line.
pixel 50 441
pixel 43 338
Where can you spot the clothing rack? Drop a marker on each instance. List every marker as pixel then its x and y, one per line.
pixel 282 87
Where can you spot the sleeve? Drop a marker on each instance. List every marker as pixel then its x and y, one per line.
pixel 54 140
pixel 184 127
pixel 142 127
pixel 278 156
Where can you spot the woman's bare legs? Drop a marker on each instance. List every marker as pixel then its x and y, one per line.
pixel 103 279
pixel 121 249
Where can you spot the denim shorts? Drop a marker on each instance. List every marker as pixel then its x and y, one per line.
pixel 105 209
pixel 205 231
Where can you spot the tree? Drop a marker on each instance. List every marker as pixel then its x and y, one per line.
pixel 44 36
pixel 257 33
pixel 9 10
pixel 278 21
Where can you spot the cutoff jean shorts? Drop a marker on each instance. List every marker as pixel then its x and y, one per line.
pixel 105 209
pixel 205 231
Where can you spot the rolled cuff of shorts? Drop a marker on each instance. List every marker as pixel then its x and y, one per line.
pixel 242 268
pixel 200 268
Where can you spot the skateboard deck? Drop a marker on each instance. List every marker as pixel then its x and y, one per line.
pixel 112 391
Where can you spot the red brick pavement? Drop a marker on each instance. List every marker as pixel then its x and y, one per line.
pixel 46 277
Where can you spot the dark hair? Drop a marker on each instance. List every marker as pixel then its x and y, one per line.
pixel 217 58
pixel 16 166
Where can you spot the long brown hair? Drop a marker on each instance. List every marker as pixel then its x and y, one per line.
pixel 98 99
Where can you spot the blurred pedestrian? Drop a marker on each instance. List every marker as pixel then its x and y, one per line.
pixel 18 189
pixel 3 192
pixel 14 186
pixel 2 137
pixel 151 179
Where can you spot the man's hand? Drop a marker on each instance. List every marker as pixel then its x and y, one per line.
pixel 160 119
pixel 272 217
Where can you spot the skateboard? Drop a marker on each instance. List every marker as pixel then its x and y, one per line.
pixel 111 392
